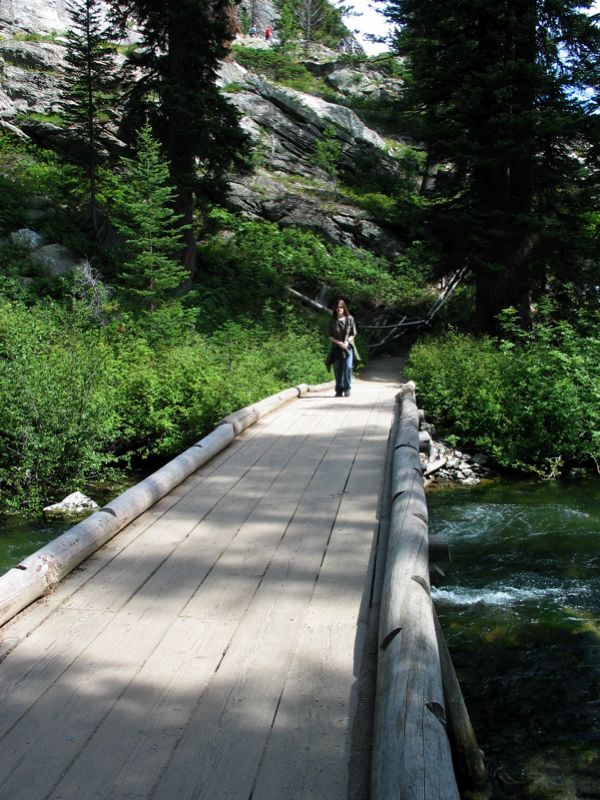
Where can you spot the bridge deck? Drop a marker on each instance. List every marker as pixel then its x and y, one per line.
pixel 214 648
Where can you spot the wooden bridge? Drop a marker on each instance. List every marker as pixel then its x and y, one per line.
pixel 222 645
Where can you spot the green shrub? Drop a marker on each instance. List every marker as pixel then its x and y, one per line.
pixel 77 399
pixel 533 405
pixel 280 67
pixel 267 258
pixel 56 403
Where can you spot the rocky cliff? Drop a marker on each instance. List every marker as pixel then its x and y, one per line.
pixel 34 16
pixel 287 186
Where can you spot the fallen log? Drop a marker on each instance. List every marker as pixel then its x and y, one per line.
pixel 434 466
pixel 468 758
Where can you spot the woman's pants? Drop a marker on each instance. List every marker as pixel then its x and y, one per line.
pixel 342 369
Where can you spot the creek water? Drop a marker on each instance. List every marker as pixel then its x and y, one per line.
pixel 21 537
pixel 520 608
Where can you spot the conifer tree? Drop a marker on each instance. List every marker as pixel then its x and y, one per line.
pixel 497 94
pixel 88 89
pixel 315 20
pixel 143 202
pixel 177 58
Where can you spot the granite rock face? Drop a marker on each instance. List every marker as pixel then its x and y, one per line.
pixel 35 16
pixel 288 187
pixel 286 126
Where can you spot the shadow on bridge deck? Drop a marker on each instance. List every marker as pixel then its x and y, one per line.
pixel 218 647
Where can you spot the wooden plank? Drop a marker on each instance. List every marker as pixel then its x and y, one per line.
pixel 220 749
pixel 211 497
pixel 311 758
pixel 249 487
pixel 307 755
pixel 42 660
pixel 177 696
pixel 222 600
pixel 243 451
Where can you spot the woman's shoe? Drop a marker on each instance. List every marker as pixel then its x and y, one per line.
pixel 346 394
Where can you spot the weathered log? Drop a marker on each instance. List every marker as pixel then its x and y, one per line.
pixel 321 387
pixel 39 572
pixel 434 466
pixel 411 757
pixel 247 416
pixel 307 301
pixel 468 758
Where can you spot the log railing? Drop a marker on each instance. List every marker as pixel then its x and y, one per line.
pixel 416 719
pixel 40 572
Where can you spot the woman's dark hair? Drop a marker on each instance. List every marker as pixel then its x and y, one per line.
pixel 337 303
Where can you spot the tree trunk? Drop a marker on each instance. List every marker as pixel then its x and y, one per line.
pixel 180 150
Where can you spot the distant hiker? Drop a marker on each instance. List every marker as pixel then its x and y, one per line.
pixel 342 330
pixel 253 30
pixel 267 33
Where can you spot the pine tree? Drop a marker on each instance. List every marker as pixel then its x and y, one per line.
pixel 316 20
pixel 496 95
pixel 88 89
pixel 178 57
pixel 143 202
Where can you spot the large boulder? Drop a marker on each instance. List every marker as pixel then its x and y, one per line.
pixel 364 82
pixel 287 126
pixel 25 237
pixel 310 110
pixel 30 77
pixel 32 55
pixel 55 259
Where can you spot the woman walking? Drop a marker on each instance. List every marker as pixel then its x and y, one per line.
pixel 342 330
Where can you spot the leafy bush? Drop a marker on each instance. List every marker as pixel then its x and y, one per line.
pixel 270 258
pixel 533 404
pixel 168 396
pixel 29 173
pixel 280 67
pixel 56 403
pixel 77 399
pixel 380 205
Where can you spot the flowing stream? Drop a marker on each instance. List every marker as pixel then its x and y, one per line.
pixel 20 537
pixel 520 607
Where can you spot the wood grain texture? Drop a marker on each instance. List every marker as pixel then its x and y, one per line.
pixel 412 759
pixel 213 647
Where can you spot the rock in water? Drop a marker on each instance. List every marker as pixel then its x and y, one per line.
pixel 74 505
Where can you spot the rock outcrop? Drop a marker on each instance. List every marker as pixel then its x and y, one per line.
pixel 34 16
pixel 288 187
pixel 286 126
